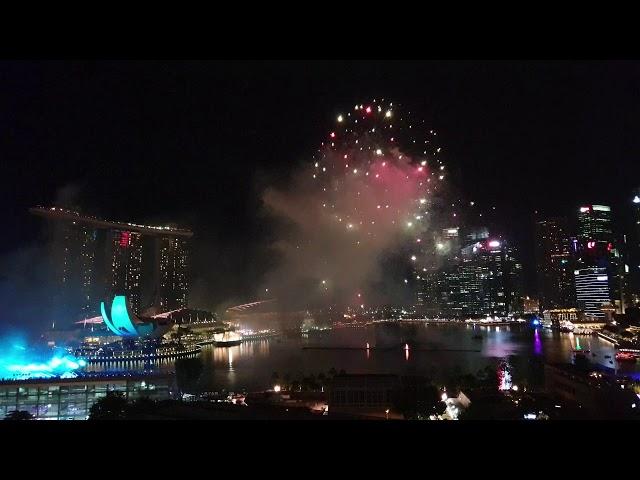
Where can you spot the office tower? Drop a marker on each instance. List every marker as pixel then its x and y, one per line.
pixel 490 279
pixel 438 286
pixel 554 264
pixel 592 290
pixel 598 248
pixel 594 223
pixel 483 278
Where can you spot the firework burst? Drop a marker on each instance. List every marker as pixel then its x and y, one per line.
pixel 368 190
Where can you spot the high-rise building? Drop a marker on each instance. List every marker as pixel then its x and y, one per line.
pixel 484 278
pixel 97 259
pixel 636 215
pixel 554 264
pixel 126 266
pixel 438 286
pixel 633 267
pixel 594 223
pixel 173 281
pixel 490 279
pixel 74 251
pixel 592 290
pixel 599 248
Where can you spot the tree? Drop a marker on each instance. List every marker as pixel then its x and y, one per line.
pixel 141 406
pixel 18 415
pixel 111 407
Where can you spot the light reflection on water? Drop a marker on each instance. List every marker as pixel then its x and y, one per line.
pixel 251 365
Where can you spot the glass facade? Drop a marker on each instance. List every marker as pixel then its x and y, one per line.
pixel 126 266
pixel 481 279
pixel 173 282
pixel 598 248
pixel 554 264
pixel 74 253
pixel 72 399
pixel 592 290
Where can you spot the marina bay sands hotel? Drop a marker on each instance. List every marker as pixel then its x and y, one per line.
pixel 95 259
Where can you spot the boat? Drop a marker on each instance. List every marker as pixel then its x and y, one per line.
pixel 227 339
pixel 625 357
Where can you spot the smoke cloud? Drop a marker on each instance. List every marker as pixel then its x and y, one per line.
pixel 341 234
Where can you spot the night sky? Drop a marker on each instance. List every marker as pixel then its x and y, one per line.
pixel 196 142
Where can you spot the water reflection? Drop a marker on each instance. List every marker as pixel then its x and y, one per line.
pixel 537 343
pixel 434 351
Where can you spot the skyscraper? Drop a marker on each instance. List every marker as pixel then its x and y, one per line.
pixel 594 223
pixel 438 286
pixel 74 251
pixel 484 278
pixel 96 259
pixel 598 248
pixel 554 264
pixel 634 254
pixel 173 281
pixel 126 266
pixel 490 279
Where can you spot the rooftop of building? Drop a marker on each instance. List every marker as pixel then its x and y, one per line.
pixel 64 214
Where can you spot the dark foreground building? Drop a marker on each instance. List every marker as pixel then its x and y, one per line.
pixel 71 399
pixel 600 395
pixel 366 395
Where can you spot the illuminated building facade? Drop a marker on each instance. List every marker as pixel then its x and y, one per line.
pixel 72 399
pixel 592 290
pixel 490 279
pixel 172 276
pixel 126 266
pixel 634 254
pixel 438 284
pixel 530 305
pixel 554 263
pixel 597 248
pixel 98 259
pixel 484 278
pixel 594 223
pixel 74 251
pixel 122 321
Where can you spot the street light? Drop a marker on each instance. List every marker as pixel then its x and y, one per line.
pixel 387 413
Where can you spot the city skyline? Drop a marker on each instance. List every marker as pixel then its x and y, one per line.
pixel 210 153
pixel 422 241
